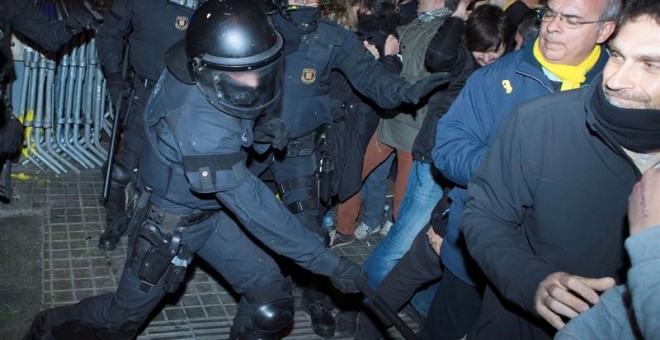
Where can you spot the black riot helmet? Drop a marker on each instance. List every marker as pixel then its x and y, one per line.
pixel 304 15
pixel 235 57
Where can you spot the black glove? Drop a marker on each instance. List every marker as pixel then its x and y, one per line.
pixel 271 130
pixel 117 87
pixel 79 19
pixel 345 275
pixel 412 93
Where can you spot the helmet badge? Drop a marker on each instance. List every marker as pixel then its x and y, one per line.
pixel 308 76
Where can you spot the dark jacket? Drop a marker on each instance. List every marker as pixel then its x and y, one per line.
pixel 23 17
pixel 357 116
pixel 445 53
pixel 551 195
pixel 356 121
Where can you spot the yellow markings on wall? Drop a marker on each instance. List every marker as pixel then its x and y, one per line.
pixel 21 176
pixel 27 132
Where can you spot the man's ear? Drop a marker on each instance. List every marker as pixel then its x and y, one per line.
pixel 605 31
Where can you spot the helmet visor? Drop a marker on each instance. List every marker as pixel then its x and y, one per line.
pixel 243 93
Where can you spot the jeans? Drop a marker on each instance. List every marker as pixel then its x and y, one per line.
pixel 422 194
pixel 374 190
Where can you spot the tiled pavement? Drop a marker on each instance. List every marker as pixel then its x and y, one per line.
pixel 66 264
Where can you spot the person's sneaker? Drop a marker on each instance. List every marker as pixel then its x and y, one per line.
pixel 363 230
pixel 338 239
pixel 385 228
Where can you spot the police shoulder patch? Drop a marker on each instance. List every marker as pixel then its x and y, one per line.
pixel 308 75
pixel 181 22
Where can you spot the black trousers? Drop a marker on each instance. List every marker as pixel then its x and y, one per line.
pixel 417 267
pixel 454 309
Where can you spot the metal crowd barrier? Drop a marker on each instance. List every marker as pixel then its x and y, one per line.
pixel 63 105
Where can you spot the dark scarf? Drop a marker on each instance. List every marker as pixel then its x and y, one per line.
pixel 637 130
pixel 293 24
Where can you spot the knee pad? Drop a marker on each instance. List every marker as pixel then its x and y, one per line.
pixel 271 310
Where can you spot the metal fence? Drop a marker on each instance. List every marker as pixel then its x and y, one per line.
pixel 62 102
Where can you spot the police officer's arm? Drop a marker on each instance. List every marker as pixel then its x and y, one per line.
pixel 369 77
pixel 214 163
pixel 26 19
pixel 111 36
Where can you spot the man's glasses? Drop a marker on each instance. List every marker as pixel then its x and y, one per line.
pixel 545 14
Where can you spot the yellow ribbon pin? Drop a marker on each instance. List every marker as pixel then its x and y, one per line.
pixel 506 84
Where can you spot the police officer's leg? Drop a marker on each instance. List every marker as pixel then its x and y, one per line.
pixel 116 219
pixel 266 304
pixel 119 315
pixel 297 181
pixel 126 161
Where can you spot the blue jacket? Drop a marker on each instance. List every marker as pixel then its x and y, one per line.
pixel 467 130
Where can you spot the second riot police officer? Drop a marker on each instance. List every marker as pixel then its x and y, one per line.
pixel 147 28
pixel 196 188
pixel 313 47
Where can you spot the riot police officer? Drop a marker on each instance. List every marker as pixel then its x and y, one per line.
pixel 195 187
pixel 313 47
pixel 151 27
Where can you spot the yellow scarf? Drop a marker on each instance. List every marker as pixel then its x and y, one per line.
pixel 507 4
pixel 571 76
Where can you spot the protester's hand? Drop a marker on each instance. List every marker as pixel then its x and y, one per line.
pixel 434 240
pixel 564 295
pixel 79 19
pixel 461 10
pixel 413 93
pixel 372 48
pixel 117 86
pixel 498 3
pixel 644 202
pixel 346 274
pixel 392 46
pixel 273 131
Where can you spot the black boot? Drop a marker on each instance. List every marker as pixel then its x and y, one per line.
pixel 116 220
pixel 37 329
pixel 323 323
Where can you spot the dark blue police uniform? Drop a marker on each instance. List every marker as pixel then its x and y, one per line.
pixel 193 163
pixel 305 106
pixel 195 188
